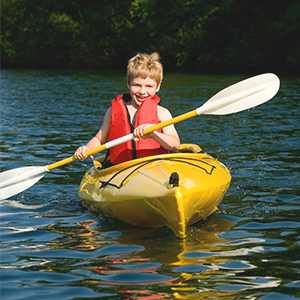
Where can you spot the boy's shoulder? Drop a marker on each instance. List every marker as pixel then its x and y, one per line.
pixel 163 113
pixel 159 107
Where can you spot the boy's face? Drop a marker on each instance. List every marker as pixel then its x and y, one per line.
pixel 141 89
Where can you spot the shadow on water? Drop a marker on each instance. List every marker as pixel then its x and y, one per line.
pixel 51 246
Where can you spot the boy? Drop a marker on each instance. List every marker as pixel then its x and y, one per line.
pixel 135 112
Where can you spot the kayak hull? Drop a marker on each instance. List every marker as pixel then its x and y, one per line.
pixel 174 190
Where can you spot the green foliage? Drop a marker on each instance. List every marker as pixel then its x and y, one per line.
pixel 207 35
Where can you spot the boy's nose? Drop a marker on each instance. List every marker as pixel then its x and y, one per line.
pixel 143 90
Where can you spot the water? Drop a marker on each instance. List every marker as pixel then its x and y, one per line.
pixel 52 247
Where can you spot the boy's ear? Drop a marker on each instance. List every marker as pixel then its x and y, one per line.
pixel 128 83
pixel 158 87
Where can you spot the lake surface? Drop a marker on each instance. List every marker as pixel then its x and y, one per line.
pixel 53 248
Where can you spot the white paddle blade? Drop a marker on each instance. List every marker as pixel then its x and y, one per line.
pixel 17 180
pixel 242 95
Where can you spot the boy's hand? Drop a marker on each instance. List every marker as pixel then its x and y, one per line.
pixel 80 153
pixel 139 132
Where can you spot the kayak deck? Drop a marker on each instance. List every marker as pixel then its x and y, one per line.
pixel 174 190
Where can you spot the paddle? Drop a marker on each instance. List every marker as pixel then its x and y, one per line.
pixel 238 97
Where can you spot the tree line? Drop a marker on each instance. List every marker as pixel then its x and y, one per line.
pixel 202 35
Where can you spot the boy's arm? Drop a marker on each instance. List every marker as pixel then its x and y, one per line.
pixel 168 139
pixel 99 139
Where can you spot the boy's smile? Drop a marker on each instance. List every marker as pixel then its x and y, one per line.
pixel 141 89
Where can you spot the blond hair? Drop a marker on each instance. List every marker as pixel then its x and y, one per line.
pixel 145 65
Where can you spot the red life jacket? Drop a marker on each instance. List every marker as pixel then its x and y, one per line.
pixel 120 125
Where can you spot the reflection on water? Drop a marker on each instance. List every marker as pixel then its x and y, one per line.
pixel 52 247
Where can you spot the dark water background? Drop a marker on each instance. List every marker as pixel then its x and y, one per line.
pixel 53 248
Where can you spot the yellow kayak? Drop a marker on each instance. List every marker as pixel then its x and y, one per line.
pixel 174 190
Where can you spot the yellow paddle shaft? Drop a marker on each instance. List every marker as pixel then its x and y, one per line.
pixel 72 158
pixel 107 145
pixel 175 120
